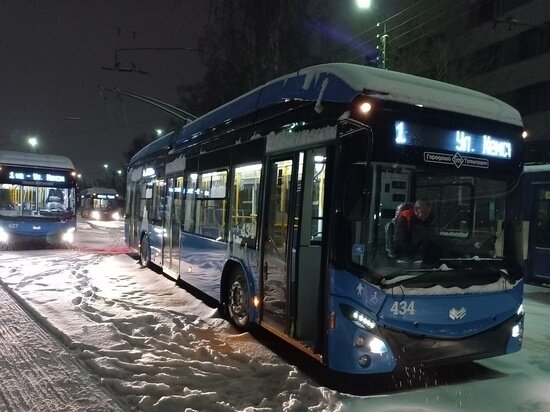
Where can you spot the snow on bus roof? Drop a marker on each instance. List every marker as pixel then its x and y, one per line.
pixel 102 190
pixel 343 82
pixel 35 160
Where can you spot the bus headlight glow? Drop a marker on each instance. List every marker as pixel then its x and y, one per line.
pixel 377 346
pixel 516 331
pixel 365 107
pixel 95 215
pixel 68 236
pixel 362 320
pixel 3 235
pixel 521 311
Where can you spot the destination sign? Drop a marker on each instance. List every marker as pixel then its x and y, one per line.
pixel 33 175
pixel 460 141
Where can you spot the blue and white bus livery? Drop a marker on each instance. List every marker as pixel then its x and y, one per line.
pixel 276 203
pixel 37 198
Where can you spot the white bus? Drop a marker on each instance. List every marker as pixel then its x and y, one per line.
pixel 37 198
pixel 100 203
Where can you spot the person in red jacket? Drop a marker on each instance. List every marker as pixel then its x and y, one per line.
pixel 414 236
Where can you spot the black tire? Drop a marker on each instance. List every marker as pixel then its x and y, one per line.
pixel 145 252
pixel 238 301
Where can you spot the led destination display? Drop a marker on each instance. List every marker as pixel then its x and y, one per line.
pixel 460 141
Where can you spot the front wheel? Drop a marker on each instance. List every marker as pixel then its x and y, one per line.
pixel 145 252
pixel 238 301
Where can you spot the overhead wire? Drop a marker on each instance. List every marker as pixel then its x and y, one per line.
pixel 377 25
pixel 385 21
pixel 424 34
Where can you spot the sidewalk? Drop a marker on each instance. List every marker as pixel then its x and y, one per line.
pixel 37 373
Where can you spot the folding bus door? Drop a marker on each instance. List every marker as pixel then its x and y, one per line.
pixel 172 220
pixel 292 244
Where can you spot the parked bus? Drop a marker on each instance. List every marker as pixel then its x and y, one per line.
pixel 100 203
pixel 276 203
pixel 535 189
pixel 37 198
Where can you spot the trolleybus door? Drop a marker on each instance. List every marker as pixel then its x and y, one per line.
pixel 539 237
pixel 134 213
pixel 276 248
pixel 292 241
pixel 170 244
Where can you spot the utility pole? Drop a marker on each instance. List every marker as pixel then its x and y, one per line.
pixel 384 37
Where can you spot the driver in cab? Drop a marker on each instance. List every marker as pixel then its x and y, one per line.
pixel 414 235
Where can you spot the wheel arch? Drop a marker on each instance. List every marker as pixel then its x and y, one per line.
pixel 253 291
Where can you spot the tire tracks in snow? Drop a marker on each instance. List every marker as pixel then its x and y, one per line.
pixel 37 373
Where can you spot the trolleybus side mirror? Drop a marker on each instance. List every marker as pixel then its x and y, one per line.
pixel 356 192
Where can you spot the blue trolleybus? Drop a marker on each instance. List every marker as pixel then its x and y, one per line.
pixel 535 188
pixel 276 205
pixel 37 198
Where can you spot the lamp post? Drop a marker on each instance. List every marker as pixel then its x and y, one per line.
pixel 383 38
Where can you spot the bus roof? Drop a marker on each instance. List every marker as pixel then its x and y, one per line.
pixel 533 168
pixel 35 160
pixel 343 82
pixel 102 190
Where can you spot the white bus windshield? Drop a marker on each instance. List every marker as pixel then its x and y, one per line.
pixel 424 220
pixel 39 202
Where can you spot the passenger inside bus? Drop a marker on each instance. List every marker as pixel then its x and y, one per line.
pixel 414 236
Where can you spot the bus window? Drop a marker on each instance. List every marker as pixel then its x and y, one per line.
pixel 211 204
pixel 318 193
pixel 542 224
pixel 158 200
pixel 146 197
pixel 244 203
pixel 189 209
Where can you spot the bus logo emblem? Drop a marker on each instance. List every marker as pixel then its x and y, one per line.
pixel 36 227
pixel 456 314
pixel 458 160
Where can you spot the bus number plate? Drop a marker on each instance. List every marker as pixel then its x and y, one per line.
pixel 403 308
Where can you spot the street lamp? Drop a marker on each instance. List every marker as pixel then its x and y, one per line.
pixel 363 4
pixel 33 141
pixel 383 38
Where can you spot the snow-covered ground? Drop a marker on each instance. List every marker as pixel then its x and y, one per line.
pixel 155 347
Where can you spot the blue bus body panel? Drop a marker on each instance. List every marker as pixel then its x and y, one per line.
pixel 437 316
pixel 326 85
pixel 431 315
pixel 36 229
pixel 202 262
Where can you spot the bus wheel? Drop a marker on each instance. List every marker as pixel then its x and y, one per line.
pixel 145 252
pixel 238 301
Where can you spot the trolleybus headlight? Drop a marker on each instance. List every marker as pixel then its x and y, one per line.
pixel 68 236
pixel 95 215
pixel 360 319
pixel 521 311
pixel 377 346
pixel 3 235
pixel 364 360
pixel 516 331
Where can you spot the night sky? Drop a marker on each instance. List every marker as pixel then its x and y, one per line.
pixel 52 54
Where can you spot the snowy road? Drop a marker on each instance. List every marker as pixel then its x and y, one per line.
pixel 112 333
